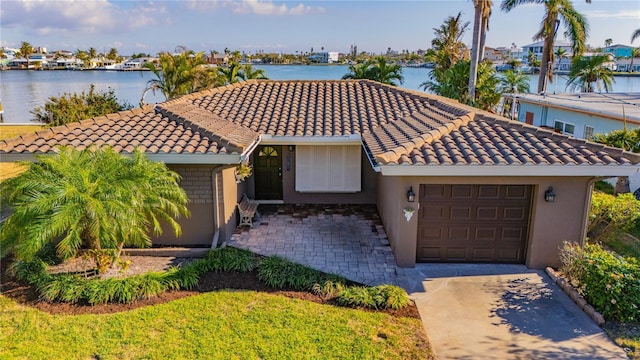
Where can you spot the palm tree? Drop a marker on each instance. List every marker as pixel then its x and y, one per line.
pixel 249 72
pixel 92 52
pixel 556 12
pixel 232 73
pixel 608 42
pixel 447 47
pixel 93 198
pixel 181 74
pixel 25 51
pixel 587 71
pixel 635 35
pixel 512 82
pixel 377 70
pixel 635 52
pixel 386 73
pixel 113 54
pixel 358 71
pixel 480 27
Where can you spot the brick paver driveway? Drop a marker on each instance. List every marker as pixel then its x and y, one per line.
pixel 347 240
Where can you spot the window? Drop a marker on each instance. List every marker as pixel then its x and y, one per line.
pixel 564 127
pixel 328 168
pixel 588 131
pixel 268 151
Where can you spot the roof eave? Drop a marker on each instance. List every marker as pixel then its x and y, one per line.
pixel 509 170
pixel 204 159
pixel 311 140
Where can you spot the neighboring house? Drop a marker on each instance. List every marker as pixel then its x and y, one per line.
pixel 495 55
pixel 618 50
pixel 218 59
pixel 583 114
pixel 625 64
pixel 479 180
pixel 537 47
pixel 325 57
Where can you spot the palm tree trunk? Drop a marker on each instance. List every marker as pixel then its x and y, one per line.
pixel 483 40
pixel 475 50
pixel 547 50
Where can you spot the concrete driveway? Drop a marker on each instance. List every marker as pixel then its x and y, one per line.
pixel 503 312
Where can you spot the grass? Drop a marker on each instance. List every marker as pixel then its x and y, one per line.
pixel 627 336
pixel 625 245
pixel 224 324
pixel 8 170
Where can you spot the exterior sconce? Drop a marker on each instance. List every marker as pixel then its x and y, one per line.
pixel 411 196
pixel 292 148
pixel 549 195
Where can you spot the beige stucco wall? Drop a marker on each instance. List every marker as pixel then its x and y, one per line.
pixel 551 223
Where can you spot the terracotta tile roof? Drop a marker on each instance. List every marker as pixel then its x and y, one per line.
pixel 309 108
pixel 398 126
pixel 487 140
pixel 144 128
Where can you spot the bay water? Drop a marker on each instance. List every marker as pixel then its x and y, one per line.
pixel 23 90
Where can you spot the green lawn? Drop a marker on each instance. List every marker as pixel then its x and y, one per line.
pixel 216 325
pixel 627 336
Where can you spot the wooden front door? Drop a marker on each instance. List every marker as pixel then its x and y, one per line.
pixel 268 172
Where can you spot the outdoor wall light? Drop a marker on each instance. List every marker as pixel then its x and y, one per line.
pixel 411 196
pixel 549 195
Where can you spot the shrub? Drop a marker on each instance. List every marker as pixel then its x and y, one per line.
pixel 329 288
pixel 63 287
pixel 604 187
pixel 610 215
pixel 609 282
pixel 232 259
pixel 377 297
pixel 281 273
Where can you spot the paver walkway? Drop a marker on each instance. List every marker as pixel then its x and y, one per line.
pixel 348 240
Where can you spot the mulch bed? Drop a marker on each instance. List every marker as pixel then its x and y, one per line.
pixel 211 281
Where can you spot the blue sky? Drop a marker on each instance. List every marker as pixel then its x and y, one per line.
pixel 279 26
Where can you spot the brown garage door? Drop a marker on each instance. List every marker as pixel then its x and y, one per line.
pixel 473 223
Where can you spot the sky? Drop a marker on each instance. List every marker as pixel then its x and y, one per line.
pixel 281 26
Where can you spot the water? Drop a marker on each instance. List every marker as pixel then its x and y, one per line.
pixel 21 91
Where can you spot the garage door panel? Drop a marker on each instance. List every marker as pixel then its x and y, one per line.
pixel 461 192
pixel 489 226
pixel 488 192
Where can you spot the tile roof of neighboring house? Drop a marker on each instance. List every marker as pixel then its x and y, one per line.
pixel 152 132
pixel 398 127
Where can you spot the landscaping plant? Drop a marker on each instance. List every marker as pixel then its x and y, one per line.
pixel 609 282
pixel 93 198
pixel 611 215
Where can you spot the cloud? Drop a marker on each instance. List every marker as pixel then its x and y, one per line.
pixel 257 7
pixel 44 17
pixel 622 14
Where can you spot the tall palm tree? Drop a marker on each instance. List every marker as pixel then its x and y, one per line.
pixel 92 52
pixel 608 42
pixel 113 54
pixel 447 47
pixel 635 52
pixel 585 72
pixel 480 27
pixel 94 198
pixel 635 35
pixel 512 82
pixel 181 74
pixel 556 12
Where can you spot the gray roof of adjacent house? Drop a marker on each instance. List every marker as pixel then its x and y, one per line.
pixel 617 106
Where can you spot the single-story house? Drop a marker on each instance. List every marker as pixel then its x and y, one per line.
pixel 451 183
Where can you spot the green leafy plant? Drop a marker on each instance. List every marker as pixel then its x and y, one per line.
pixel 609 282
pixel 75 107
pixel 243 171
pixel 281 273
pixel 611 215
pixel 328 288
pixel 377 297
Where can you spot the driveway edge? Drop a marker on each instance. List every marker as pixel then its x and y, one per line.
pixel 575 296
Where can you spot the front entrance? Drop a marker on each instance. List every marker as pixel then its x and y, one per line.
pixel 268 172
pixel 473 223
